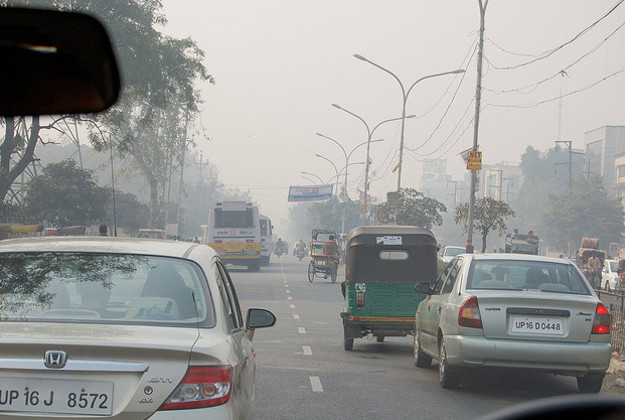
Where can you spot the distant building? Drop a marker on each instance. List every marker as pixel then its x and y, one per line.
pixel 602 147
pixel 501 181
pixel 436 183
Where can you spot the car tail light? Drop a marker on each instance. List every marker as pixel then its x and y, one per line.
pixel 469 315
pixel 601 324
pixel 202 386
pixel 250 241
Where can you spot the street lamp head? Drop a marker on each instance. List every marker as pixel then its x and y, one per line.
pixel 318 155
pixel 360 57
pixel 337 107
pixel 410 116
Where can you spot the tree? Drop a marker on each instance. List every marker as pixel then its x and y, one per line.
pixel 65 195
pixel 130 213
pixel 328 214
pixel 587 210
pixel 489 216
pixel 411 207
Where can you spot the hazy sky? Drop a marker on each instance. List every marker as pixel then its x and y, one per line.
pixel 280 64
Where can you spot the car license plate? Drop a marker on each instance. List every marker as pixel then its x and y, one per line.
pixel 56 396
pixel 537 325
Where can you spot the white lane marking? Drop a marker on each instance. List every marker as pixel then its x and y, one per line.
pixel 290 298
pixel 301 330
pixel 285 281
pixel 286 285
pixel 315 383
pixel 288 291
pixel 292 306
pixel 307 351
pixel 295 316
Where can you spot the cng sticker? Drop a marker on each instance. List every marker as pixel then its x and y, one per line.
pixel 360 287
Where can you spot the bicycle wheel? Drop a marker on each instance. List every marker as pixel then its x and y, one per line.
pixel 311 272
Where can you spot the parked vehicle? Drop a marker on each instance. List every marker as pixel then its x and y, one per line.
pixel 127 327
pixel 448 252
pixel 383 265
pixel 526 312
pixel 609 277
pixel 324 261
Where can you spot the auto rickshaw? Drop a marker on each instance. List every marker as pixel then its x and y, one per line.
pixel 384 263
pixel 323 263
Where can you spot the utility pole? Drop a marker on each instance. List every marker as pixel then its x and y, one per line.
pixel 184 148
pixel 569 145
pixel 476 123
pixel 201 165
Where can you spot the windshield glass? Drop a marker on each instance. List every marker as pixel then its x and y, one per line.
pixel 102 288
pixel 612 266
pixel 452 252
pixel 526 275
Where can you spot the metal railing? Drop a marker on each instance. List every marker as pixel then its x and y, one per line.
pixel 615 302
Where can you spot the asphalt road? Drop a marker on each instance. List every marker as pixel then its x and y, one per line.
pixel 304 373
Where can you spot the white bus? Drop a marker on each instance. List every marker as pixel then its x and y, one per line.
pixel 266 241
pixel 233 231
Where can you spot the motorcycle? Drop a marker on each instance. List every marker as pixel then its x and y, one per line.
pixel 279 251
pixel 301 253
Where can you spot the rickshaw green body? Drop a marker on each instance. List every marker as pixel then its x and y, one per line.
pixel 384 263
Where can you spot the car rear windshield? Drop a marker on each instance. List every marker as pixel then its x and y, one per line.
pixel 103 288
pixel 526 275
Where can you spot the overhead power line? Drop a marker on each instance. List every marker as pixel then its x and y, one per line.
pixel 552 51
pixel 616 73
pixel 563 72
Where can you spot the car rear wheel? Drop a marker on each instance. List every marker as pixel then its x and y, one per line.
pixel 421 359
pixel 447 378
pixel 590 384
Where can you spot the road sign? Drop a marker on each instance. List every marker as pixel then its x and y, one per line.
pixel 474 160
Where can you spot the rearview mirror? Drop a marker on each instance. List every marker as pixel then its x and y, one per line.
pixel 55 63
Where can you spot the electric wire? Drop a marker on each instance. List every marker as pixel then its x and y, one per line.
pixel 563 72
pixel 616 73
pixel 549 53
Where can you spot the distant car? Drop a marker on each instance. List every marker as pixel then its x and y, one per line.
pixel 512 311
pixel 132 328
pixel 449 252
pixel 609 276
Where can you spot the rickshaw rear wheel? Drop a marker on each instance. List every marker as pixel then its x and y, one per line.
pixel 421 360
pixel 311 272
pixel 348 344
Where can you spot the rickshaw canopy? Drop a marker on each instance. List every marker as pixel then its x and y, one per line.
pixel 391 254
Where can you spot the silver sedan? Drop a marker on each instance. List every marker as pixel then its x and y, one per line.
pixel 130 329
pixel 512 311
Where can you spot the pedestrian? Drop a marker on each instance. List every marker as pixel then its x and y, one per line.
pixel 103 231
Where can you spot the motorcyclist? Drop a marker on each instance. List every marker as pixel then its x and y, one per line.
pixel 280 247
pixel 300 247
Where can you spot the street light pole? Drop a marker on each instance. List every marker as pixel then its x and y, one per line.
pixel 349 155
pixel 405 94
pixel 369 135
pixel 335 170
pixel 315 175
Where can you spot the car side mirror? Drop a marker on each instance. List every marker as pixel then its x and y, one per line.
pixel 425 288
pixel 55 63
pixel 259 318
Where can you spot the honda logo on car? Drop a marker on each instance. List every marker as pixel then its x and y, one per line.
pixel 55 359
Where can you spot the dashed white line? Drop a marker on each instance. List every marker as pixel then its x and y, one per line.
pixel 290 298
pixel 315 384
pixel 286 285
pixel 295 316
pixel 307 351
pixel 292 306
pixel 301 330
pixel 288 291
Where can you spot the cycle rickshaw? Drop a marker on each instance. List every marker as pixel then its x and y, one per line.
pixel 324 257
